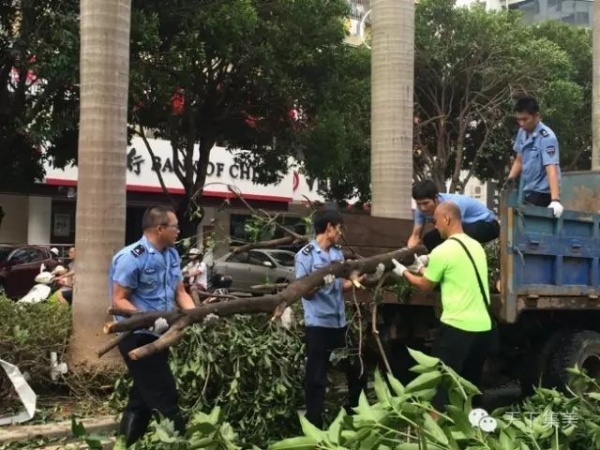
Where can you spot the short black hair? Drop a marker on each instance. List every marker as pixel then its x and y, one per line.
pixel 528 105
pixel 425 189
pixel 327 216
pixel 155 216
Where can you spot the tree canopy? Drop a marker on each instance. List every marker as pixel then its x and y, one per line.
pixel 39 99
pixel 470 66
pixel 243 73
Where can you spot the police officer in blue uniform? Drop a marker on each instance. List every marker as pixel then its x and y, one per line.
pixel 537 159
pixel 146 276
pixel 325 316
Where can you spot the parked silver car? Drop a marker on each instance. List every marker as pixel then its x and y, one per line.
pixel 256 267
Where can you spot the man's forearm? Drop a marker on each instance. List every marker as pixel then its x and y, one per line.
pixel 515 170
pixel 421 283
pixel 185 301
pixel 123 303
pixel 552 174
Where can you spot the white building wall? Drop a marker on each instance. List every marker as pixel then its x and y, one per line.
pixel 40 219
pixel 14 228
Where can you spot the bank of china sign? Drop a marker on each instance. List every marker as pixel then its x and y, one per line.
pixel 222 169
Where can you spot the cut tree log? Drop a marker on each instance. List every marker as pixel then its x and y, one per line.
pixel 271 303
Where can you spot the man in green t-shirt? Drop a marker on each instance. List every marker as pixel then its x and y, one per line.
pixel 466 333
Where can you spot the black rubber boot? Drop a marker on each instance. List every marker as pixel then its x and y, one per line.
pixel 133 426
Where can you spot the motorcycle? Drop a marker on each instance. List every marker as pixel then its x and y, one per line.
pixel 44 286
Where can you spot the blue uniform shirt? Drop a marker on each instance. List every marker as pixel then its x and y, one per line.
pixel 326 307
pixel 152 276
pixel 538 149
pixel 471 210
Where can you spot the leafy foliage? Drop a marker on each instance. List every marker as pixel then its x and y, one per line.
pixel 243 73
pixel 401 418
pixel 248 366
pixel 39 99
pixel 29 334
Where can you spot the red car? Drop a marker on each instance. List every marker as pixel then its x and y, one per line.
pixel 19 265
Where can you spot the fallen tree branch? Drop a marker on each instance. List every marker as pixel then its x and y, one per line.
pixel 269 244
pixel 271 303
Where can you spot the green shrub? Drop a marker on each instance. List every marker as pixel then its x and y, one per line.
pixel 28 334
pixel 401 418
pixel 250 367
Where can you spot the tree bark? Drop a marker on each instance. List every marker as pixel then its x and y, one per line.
pixel 392 74
pixel 596 87
pixel 273 303
pixel 101 199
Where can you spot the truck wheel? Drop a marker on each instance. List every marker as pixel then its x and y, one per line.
pixel 534 363
pixel 578 348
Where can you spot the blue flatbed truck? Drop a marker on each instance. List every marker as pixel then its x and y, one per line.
pixel 548 304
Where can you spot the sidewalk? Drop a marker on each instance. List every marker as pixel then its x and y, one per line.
pixel 58 430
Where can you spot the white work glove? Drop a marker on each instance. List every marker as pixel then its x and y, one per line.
pixel 557 208
pixel 160 325
pixel 420 263
pixel 399 268
pixel 328 279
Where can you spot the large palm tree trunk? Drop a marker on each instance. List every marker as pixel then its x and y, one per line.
pixel 392 76
pixel 596 87
pixel 100 223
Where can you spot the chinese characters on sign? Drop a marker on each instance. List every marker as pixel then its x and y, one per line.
pixel 551 419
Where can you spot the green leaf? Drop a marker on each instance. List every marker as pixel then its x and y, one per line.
pixel 434 430
pixel 423 359
pixel 408 446
pixel 461 420
pixel 425 381
pixel 397 386
pixel 77 428
pixel 381 389
pixel 310 430
pixel 295 443
pixel 333 433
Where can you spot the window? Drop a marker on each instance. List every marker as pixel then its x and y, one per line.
pixel 238 257
pixel 283 258
pixel 20 256
pixel 36 255
pixel 258 258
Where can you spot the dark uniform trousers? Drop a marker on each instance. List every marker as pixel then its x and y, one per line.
pixel 465 352
pixel 537 199
pixel 483 232
pixel 320 343
pixel 153 389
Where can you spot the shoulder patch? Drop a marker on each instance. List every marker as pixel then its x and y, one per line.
pixel 138 250
pixel 544 132
pixel 306 250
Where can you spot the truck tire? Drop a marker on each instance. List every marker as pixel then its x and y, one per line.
pixel 534 363
pixel 577 348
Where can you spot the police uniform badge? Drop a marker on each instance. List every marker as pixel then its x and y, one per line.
pixel 306 250
pixel 544 132
pixel 138 250
pixel 551 150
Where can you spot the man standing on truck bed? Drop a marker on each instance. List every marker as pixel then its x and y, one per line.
pixel 537 159
pixel 467 333
pixel 478 222
pixel 325 316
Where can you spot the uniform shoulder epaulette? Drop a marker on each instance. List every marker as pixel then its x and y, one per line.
pixel 337 246
pixel 544 132
pixel 309 248
pixel 138 250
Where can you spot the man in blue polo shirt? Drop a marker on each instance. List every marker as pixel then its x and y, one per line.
pixel 478 222
pixel 537 160
pixel 325 316
pixel 146 276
